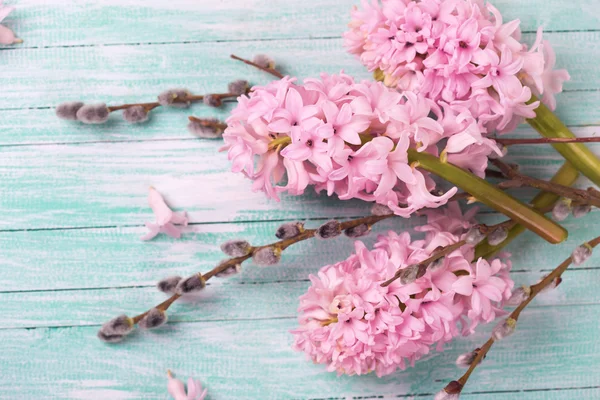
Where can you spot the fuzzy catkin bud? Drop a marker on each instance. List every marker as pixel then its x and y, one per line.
pixel 504 329
pixel 210 130
pixel 264 61
pixel 135 114
pixel 465 360
pixel 581 210
pixel 168 284
pixel 116 329
pixel 153 319
pixel 358 231
pixel 234 269
pixel 474 236
pixel 561 209
pixel 498 236
pixel 192 284
pixel 93 113
pixel 175 98
pixel 289 230
pixel 581 254
pixel 236 248
pixel 68 110
pixel 267 256
pixel 552 285
pixel 437 264
pixel 212 100
pixel 519 295
pixel 380 210
pixel 409 274
pixel 450 392
pixel 238 87
pixel 329 230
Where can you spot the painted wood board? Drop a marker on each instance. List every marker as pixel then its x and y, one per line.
pixel 106 184
pixel 86 22
pixel 60 283
pixel 129 73
pixel 253 360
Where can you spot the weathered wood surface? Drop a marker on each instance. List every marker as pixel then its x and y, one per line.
pixel 73 204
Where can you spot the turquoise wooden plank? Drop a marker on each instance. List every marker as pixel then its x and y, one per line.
pixel 226 300
pixel 86 22
pixel 540 394
pixel 252 359
pixel 42 78
pixel 106 184
pixel 43 127
pixel 115 257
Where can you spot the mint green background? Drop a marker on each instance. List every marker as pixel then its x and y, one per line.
pixel 73 204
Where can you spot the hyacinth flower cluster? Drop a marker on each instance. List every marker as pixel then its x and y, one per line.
pixel 465 57
pixel 354 325
pixel 350 139
pixel 458 53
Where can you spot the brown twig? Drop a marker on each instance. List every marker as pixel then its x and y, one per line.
pixel 510 141
pixel 281 245
pixel 535 290
pixel 191 98
pixel 591 197
pixel 435 256
pixel 271 71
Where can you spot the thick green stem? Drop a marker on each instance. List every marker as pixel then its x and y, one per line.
pixel 566 175
pixel 491 196
pixel 550 126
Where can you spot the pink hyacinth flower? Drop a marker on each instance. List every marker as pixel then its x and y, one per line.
pixel 352 324
pixel 177 389
pixel 461 53
pixel 167 220
pixel 7 36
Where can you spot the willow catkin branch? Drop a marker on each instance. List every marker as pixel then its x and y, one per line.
pixel 590 197
pixel 281 245
pixel 535 290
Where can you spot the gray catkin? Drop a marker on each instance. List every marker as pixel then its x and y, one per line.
pixel 238 87
pixel 121 325
pixel 234 269
pixel 329 230
pixel 174 98
pixel 135 114
pixel 266 256
pixel 168 284
pixel 153 319
pixel 110 338
pixel 263 61
pixel 192 284
pixel 236 247
pixel 204 131
pixel 68 110
pixel 212 100
pixel 93 113
pixel 358 231
pixel 289 230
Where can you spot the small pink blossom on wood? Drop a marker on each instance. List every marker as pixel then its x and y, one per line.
pixel 167 220
pixel 177 389
pixel 7 36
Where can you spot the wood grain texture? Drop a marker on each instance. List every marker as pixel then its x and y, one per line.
pixel 87 22
pixel 253 360
pixel 106 184
pixel 126 73
pixel 116 258
pixel 73 202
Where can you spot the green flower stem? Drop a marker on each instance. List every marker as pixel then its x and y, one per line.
pixel 491 196
pixel 550 126
pixel 566 175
